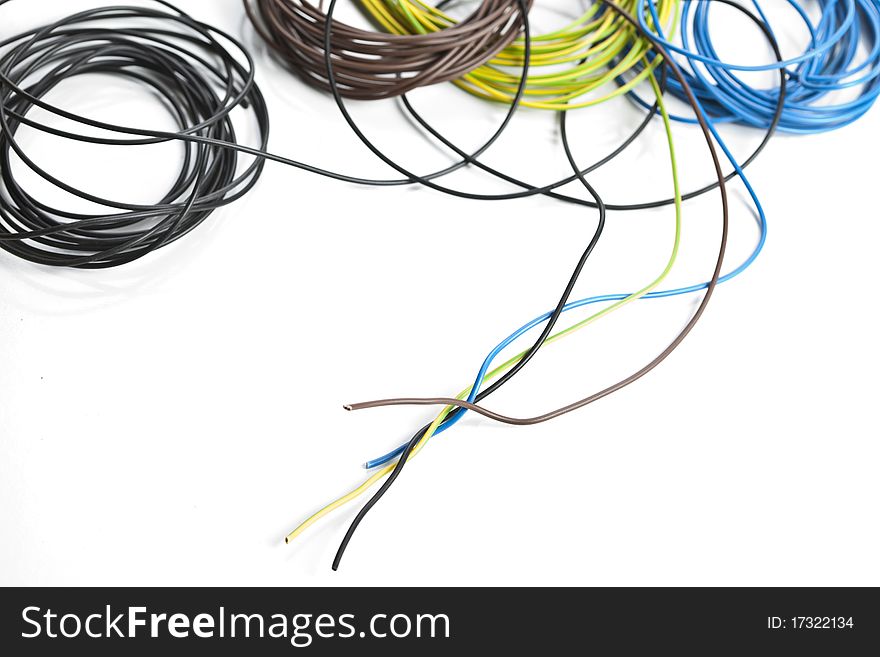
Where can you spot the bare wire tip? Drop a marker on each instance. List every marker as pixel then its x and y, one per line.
pixel 348 407
pixel 287 540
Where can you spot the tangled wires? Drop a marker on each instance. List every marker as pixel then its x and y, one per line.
pixel 180 59
pixel 202 82
pixel 369 65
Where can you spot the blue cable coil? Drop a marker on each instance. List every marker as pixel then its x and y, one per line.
pixel 843 54
pixel 830 64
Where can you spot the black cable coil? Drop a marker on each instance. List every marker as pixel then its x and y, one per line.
pixel 201 83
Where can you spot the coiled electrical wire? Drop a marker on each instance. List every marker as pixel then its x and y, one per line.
pixel 178 70
pixel 373 65
pixel 842 56
pixel 567 64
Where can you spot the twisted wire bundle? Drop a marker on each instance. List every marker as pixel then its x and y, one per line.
pixel 371 65
pixel 566 64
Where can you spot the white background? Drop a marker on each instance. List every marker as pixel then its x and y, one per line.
pixel 170 421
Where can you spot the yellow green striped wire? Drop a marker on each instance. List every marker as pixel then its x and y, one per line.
pixel 582 57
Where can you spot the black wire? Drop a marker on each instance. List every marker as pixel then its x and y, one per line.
pixel 557 313
pixel 580 175
pixel 560 308
pixel 551 323
pixel 208 177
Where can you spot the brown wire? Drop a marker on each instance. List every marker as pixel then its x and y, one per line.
pixel 372 65
pixel 448 401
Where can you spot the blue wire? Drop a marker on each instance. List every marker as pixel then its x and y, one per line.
pixel 829 64
pixel 826 66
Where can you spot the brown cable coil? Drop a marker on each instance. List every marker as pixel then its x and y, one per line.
pixel 372 65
